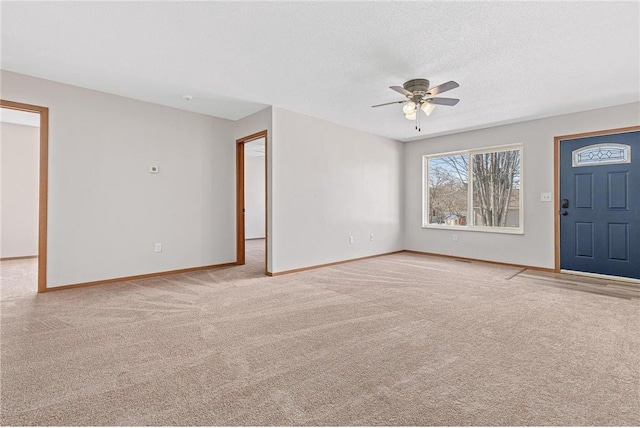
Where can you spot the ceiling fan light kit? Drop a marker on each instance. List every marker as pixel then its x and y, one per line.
pixel 420 97
pixel 409 108
pixel 428 108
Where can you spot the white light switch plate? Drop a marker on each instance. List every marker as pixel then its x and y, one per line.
pixel 545 197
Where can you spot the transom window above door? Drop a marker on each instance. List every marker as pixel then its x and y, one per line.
pixel 599 154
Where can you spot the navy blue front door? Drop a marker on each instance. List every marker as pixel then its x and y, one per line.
pixel 600 204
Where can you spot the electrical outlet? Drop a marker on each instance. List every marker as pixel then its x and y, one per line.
pixel 351 240
pixel 158 248
pixel 454 237
pixel 371 237
pixel 154 169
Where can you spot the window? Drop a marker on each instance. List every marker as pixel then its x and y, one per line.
pixel 606 153
pixel 477 190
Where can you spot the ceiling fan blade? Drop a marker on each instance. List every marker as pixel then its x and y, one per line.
pixel 447 86
pixel 443 101
pixel 393 102
pixel 402 90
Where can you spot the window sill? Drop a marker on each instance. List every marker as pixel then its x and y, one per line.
pixel 505 230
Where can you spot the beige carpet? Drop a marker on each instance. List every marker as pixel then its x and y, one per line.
pixel 18 278
pixel 397 340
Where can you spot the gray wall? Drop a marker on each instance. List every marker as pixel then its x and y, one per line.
pixel 325 183
pixel 536 246
pixel 19 172
pixel 329 183
pixel 254 193
pixel 106 211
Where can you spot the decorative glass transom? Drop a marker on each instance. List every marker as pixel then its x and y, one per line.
pixel 598 154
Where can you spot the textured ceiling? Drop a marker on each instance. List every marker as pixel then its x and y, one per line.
pixel 333 60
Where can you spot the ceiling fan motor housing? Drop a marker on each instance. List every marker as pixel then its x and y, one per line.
pixel 417 86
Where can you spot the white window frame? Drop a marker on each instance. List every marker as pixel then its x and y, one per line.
pixel 491 229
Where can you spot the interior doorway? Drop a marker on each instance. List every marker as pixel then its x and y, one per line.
pixel 598 203
pixel 18 244
pixel 251 195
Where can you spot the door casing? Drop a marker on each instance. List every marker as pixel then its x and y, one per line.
pixel 240 221
pixel 556 174
pixel 42 185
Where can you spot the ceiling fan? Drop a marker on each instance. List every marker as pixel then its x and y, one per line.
pixel 420 97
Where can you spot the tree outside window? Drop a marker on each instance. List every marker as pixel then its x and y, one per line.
pixel 478 190
pixel 448 190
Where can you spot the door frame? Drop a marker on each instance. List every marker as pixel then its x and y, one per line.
pixel 240 223
pixel 556 178
pixel 43 184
